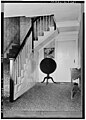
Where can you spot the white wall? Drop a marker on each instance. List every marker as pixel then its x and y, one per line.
pixel 62 11
pixel 62 75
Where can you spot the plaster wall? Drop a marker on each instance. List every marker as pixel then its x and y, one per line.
pixel 11 31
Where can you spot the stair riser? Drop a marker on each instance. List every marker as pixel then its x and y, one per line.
pixel 42 38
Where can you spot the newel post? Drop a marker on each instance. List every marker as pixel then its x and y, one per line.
pixel 11 79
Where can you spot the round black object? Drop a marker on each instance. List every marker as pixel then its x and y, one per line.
pixel 48 65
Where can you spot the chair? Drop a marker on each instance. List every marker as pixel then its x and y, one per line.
pixel 75 81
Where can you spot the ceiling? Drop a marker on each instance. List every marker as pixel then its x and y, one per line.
pixel 62 11
pixel 66 14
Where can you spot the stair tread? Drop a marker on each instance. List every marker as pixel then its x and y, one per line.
pixel 10 55
pixel 15 47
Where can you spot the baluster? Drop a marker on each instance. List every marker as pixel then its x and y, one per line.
pixel 25 53
pixel 46 22
pixel 40 26
pixel 49 20
pixel 21 61
pixel 20 64
pixel 17 66
pixel 37 27
pixel 36 31
pixel 23 56
pixel 15 72
pixel 43 24
pixel 52 20
pixel 26 50
pixel 27 47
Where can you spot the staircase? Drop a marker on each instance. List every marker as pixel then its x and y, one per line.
pixel 22 61
pixel 43 28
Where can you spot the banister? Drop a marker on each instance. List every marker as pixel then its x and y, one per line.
pixel 27 35
pixel 25 39
pixel 55 24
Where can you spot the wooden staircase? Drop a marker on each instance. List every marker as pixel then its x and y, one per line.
pixel 21 57
pixel 13 51
pixel 43 27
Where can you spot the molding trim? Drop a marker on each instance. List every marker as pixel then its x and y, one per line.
pixel 68 26
pixel 68 23
pixel 66 36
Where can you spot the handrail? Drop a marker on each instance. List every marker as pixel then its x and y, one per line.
pixel 7 47
pixel 23 43
pixel 25 39
pixel 55 24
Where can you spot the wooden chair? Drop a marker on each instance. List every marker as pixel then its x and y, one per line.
pixel 75 81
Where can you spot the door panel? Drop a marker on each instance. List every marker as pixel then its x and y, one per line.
pixel 66 59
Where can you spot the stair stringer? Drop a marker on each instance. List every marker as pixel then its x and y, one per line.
pixel 42 38
pixel 46 41
pixel 28 76
pixel 7 51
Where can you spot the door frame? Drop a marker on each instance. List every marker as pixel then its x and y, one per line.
pixel 69 36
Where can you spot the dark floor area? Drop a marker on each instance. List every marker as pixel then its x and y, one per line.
pixel 52 100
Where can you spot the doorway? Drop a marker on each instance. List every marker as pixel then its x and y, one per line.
pixel 66 58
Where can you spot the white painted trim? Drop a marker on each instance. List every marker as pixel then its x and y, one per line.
pixel 64 36
pixel 68 23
